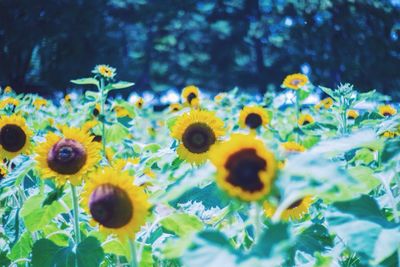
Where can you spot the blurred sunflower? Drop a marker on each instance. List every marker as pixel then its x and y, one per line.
pixel 387 110
pixel 390 134
pixel 352 114
pixel 8 89
pixel 305 119
pixel 96 111
pixel 89 125
pixel 105 71
pixel 197 131
pixel 295 211
pixel 190 95
pixel 139 103
pixel 15 136
pixel 9 101
pixel 174 107
pixel 121 112
pixel 67 157
pixel 295 81
pixel 67 98
pixel 293 147
pixel 253 117
pixel 3 172
pixel 219 97
pixel 39 103
pixel 117 205
pixel 245 167
pixel 326 103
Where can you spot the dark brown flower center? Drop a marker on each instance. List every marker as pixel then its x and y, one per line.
pixel 96 112
pixel 243 167
pixel 295 204
pixel 12 138
pixel 110 206
pixel 67 156
pixel 253 120
pixel 198 138
pixel 190 97
pixel 387 114
pixel 295 82
pixel 96 138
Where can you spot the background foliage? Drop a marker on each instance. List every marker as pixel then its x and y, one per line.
pixel 213 44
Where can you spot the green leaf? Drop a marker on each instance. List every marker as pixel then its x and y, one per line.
pixel 47 254
pixel 119 85
pixel 147 257
pixel 86 81
pixel 363 228
pixel 182 224
pixel 210 249
pixel 272 241
pixel 22 248
pixel 37 216
pixel 89 252
pixel 314 238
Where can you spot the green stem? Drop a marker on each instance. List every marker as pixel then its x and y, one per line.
pixel 76 215
pixel 132 247
pixel 257 222
pixel 103 99
pixel 297 107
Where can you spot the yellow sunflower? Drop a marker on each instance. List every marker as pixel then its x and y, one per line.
pixel 67 157
pixel 15 136
pixel 39 103
pixel 253 117
pixel 190 95
pixel 293 147
pixel 3 172
pixel 117 205
pixel 105 71
pixel 9 101
pixel 352 114
pixel 197 131
pixel 295 211
pixel 295 81
pixel 139 103
pixel 8 89
pixel 326 103
pixel 389 134
pixel 89 125
pixel 305 119
pixel 174 107
pixel 387 110
pixel 67 98
pixel 96 110
pixel 245 167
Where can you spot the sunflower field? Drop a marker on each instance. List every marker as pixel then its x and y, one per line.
pixel 284 179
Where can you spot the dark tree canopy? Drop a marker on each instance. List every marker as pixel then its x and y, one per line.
pixel 216 45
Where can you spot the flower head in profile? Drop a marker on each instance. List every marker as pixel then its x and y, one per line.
pixel 139 103
pixel 8 89
pixel 352 114
pixel 387 110
pixel 295 81
pixel 293 147
pixel 174 107
pixel 296 211
pixel 305 119
pixel 191 95
pixel 105 71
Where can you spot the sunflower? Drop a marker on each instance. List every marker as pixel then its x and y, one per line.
pixel 105 71
pixel 305 119
pixel 39 103
pixel 9 101
pixel 295 211
pixel 253 117
pixel 139 103
pixel 389 134
pixel 295 81
pixel 245 167
pixel 387 110
pixel 190 95
pixel 3 172
pixel 352 114
pixel 8 89
pixel 117 205
pixel 326 103
pixel 67 98
pixel 15 136
pixel 293 147
pixel 96 110
pixel 67 157
pixel 174 107
pixel 197 131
